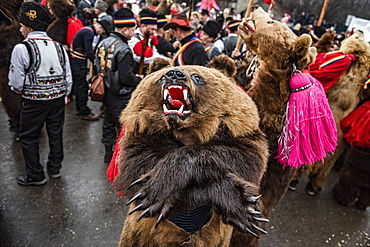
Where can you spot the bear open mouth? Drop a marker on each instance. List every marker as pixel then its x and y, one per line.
pixel 177 100
pixel 248 26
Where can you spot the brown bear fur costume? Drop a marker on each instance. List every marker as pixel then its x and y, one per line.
pixel 192 152
pixel 10 36
pixel 344 97
pixel 324 44
pixel 277 48
pixel 63 10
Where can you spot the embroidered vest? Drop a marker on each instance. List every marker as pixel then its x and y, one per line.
pixel 46 74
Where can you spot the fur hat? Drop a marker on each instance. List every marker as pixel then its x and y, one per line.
pixel 178 20
pixel 204 12
pixel 233 25
pixel 317 32
pixel 101 4
pixel 124 18
pixel 35 16
pixel 212 28
pixel 161 20
pixel 148 16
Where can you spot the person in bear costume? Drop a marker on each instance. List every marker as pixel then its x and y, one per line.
pixel 10 36
pixel 191 160
pixel 278 53
pixel 353 186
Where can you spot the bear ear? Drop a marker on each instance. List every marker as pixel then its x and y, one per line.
pixel 312 55
pixel 224 64
pixel 302 44
pixel 158 64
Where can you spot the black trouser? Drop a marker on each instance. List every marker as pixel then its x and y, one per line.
pixel 33 116
pixel 111 125
pixel 80 84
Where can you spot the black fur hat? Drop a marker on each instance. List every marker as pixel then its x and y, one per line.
pixel 148 16
pixel 317 32
pixel 233 25
pixel 124 18
pixel 35 16
pixel 212 28
pixel 161 20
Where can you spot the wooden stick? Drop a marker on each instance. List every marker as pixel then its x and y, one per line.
pixel 145 45
pixel 247 13
pixel 191 7
pixel 323 10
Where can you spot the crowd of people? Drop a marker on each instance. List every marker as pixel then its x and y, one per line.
pixel 95 37
pixel 118 41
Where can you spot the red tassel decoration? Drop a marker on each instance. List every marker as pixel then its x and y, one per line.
pixel 309 131
pixel 356 126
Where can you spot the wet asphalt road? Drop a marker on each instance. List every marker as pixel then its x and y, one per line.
pixel 82 208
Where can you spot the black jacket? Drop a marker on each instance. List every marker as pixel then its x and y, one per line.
pixel 120 80
pixel 194 54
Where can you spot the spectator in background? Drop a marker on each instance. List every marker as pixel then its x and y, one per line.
pixel 209 33
pixel 204 17
pixel 164 46
pixel 119 77
pixel 81 50
pixel 84 11
pixel 148 22
pixel 232 38
pixel 191 51
pixel 100 8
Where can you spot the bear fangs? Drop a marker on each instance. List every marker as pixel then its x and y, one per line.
pixel 177 100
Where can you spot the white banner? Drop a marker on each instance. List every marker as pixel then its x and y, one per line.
pixel 359 24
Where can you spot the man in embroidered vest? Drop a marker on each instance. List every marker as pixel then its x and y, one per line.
pixel 115 62
pixel 81 50
pixel 191 51
pixel 207 36
pixel 148 23
pixel 40 71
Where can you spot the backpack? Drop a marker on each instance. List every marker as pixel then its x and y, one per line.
pixel 74 25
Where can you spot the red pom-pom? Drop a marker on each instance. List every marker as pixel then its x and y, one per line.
pixel 268 1
pixel 138 50
pixel 154 40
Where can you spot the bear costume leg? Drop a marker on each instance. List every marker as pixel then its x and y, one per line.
pixel 354 179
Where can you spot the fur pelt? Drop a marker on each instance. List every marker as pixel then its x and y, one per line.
pixel 163 7
pixel 277 48
pixel 62 9
pixel 213 156
pixel 344 96
pixel 324 44
pixel 10 36
pixel 224 64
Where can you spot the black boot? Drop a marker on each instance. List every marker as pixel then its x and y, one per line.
pixel 108 153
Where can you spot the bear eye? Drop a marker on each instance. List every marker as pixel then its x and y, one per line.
pixel 197 79
pixel 161 81
pixel 270 22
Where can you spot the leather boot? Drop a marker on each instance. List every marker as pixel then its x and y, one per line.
pixel 108 153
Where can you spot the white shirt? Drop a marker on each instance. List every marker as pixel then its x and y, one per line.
pixel 147 60
pixel 20 60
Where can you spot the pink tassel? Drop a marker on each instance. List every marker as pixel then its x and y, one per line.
pixel 309 131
